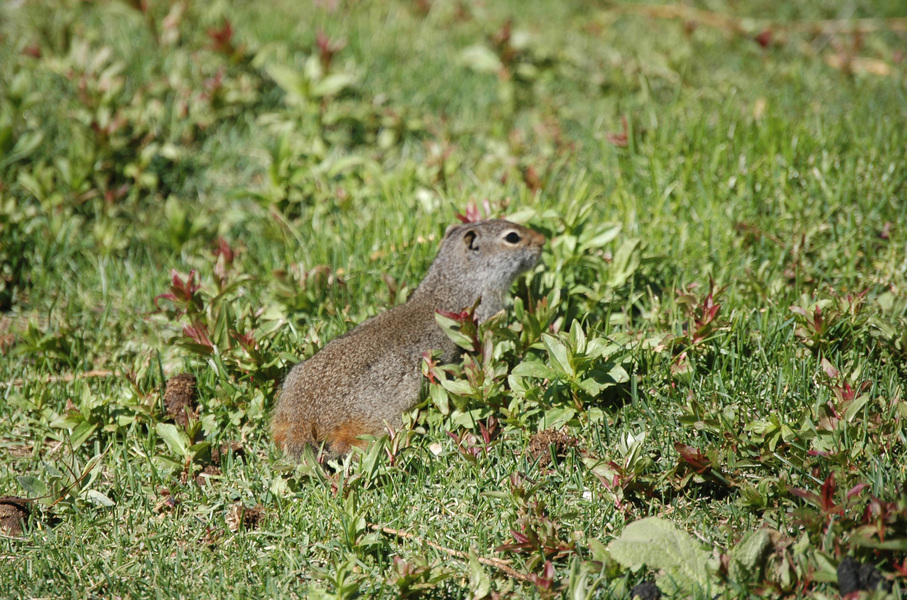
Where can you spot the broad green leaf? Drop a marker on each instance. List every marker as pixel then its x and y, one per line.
pixel 479 582
pixel 748 557
pixel 626 261
pixel 439 399
pixel 174 437
pixel 459 387
pixel 166 464
pixel 34 487
pixel 466 419
pixel 452 329
pixel 533 368
pixel 82 432
pixel 290 81
pixel 556 418
pixel 659 544
pixel 604 237
pixel 480 59
pixel 577 338
pixel 560 357
pixel 333 84
pixel 619 374
pixel 855 407
pixel 99 499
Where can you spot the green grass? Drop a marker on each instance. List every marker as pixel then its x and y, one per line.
pixel 751 179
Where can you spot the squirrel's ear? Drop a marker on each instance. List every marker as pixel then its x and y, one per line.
pixel 469 238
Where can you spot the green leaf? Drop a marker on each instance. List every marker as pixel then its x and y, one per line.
pixel 459 387
pixel 659 544
pixel 333 84
pixel 99 499
pixel 748 557
pixel 452 329
pixel 289 80
pixel 82 432
pixel 34 487
pixel 533 368
pixel 855 407
pixel 606 236
pixel 479 582
pixel 480 59
pixel 174 437
pixel 556 418
pixel 560 355
pixel 25 147
pixel 439 399
pixel 626 261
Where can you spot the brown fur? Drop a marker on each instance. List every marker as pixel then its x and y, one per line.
pixel 366 379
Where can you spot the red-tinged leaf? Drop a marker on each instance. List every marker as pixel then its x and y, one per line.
pixel 693 457
pixel 327 49
pixel 430 363
pixel 198 333
pixel 545 581
pixel 834 412
pixel 817 319
pixel 829 369
pixel 34 51
pixel 619 139
pixel 472 213
pixel 799 310
pixel 855 490
pixel 764 38
pixel 519 537
pixel 844 393
pixel 901 568
pixel 175 280
pixel 532 179
pixel 460 317
pixel 818 453
pixel 806 495
pixel 223 247
pixel 170 297
pixel 247 341
pixel 222 38
pixel 828 496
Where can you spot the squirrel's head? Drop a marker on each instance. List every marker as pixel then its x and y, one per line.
pixel 490 254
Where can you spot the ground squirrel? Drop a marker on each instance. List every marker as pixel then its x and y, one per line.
pixel 366 379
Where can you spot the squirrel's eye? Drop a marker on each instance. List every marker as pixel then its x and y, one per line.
pixel 513 237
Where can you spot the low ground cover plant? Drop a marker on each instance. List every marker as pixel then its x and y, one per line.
pixel 698 392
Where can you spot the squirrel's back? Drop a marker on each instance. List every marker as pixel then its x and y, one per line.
pixel 366 379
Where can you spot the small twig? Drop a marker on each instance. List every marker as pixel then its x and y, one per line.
pixel 491 562
pixel 62 378
pixel 752 26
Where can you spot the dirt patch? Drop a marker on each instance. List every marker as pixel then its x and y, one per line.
pixel 236 448
pixel 242 517
pixel 541 442
pixel 167 502
pixel 13 515
pixel 180 398
pixel 208 476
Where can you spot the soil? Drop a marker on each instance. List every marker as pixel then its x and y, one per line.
pixel 180 398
